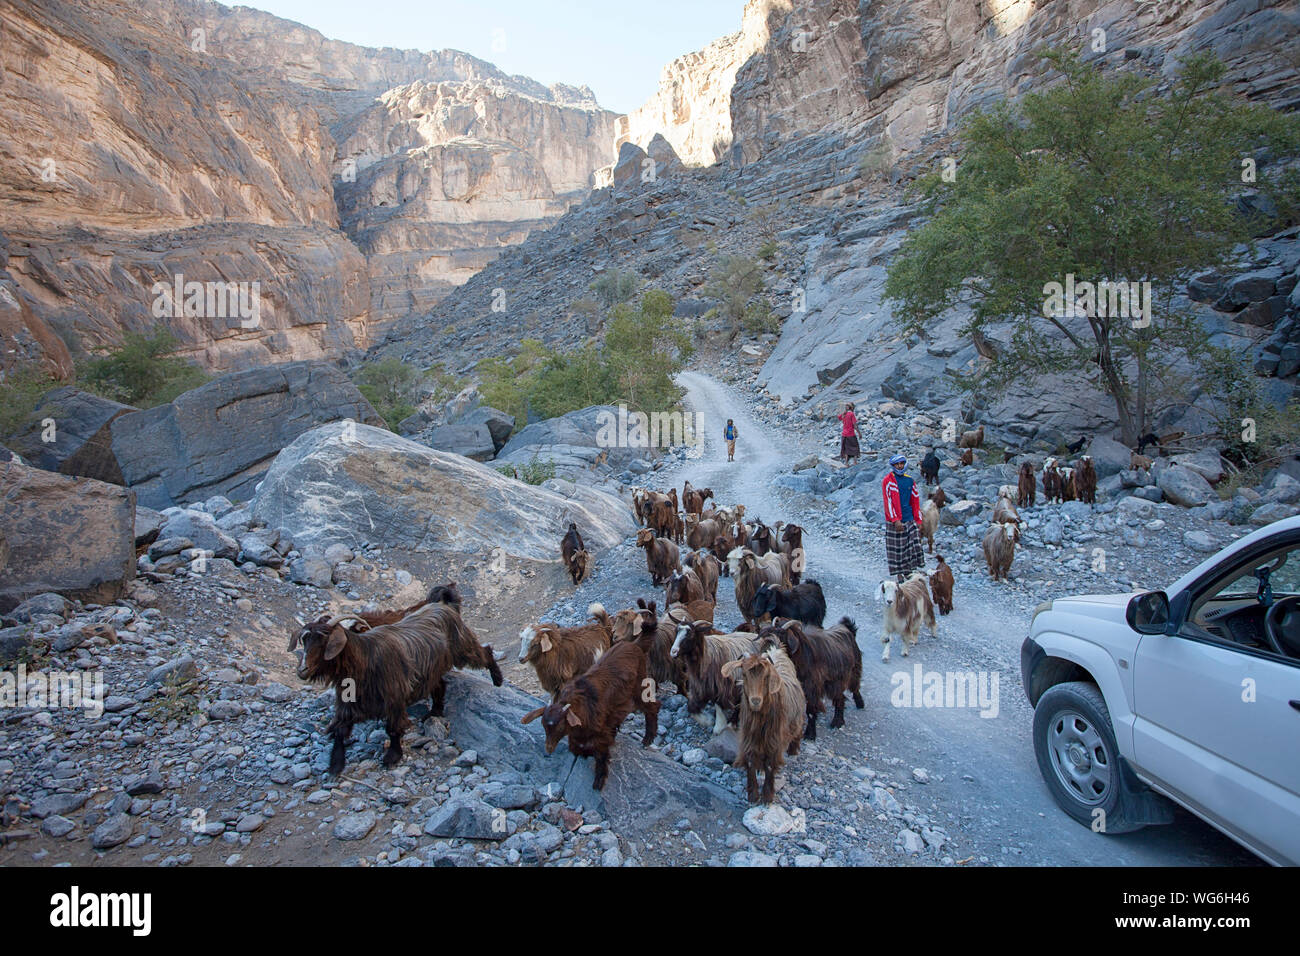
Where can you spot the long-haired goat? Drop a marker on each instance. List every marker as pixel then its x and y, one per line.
pixel 803 602
pixel 1000 548
pixel 1026 486
pixel 751 571
pixel 378 672
pixel 702 653
pixel 654 635
pixel 972 439
pixel 661 556
pixel 591 706
pixel 907 607
pixel 772 714
pixel 577 559
pixel 683 588
pixel 792 548
pixel 828 662
pixel 929 523
pixel 707 569
pixel 558 654
pixel 941 584
pixel 1085 480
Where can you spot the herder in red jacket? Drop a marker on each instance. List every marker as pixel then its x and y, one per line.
pixel 902 520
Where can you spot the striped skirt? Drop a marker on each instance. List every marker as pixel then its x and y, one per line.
pixel 903 548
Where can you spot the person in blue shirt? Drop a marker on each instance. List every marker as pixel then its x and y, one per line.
pixel 729 433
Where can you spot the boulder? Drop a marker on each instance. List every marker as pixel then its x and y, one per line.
pixel 645 789
pixel 147 525
pixel 348 484
pixel 1205 463
pixel 222 436
pixel 498 423
pixel 79 425
pixel 628 166
pixel 472 441
pixel 1183 486
pixel 579 439
pixel 73 536
pixel 200 529
pixel 1109 457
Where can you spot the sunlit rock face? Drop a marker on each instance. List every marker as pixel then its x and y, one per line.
pixel 152 142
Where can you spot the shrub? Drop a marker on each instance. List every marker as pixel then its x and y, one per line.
pixel 397 389
pixel 143 371
pixel 534 472
pixel 20 391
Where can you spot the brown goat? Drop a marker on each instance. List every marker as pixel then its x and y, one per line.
pixel 684 587
pixel 1000 548
pixel 941 584
pixel 558 654
pixel 968 457
pixel 661 514
pixel 700 532
pixel 828 662
pixel 576 557
pixel 792 547
pixel 590 708
pixel 760 542
pixel 938 497
pixel 706 568
pixel 772 713
pixel 751 571
pixel 972 439
pixel 642 626
pixel 1085 480
pixel 378 672
pixel 702 653
pixel 1026 487
pixel 1004 509
pixel 661 556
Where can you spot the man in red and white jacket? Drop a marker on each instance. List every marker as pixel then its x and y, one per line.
pixel 902 496
pixel 898 486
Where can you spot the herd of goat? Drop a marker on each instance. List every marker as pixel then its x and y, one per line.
pixel 770 675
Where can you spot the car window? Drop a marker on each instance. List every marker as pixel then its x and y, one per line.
pixel 1284 580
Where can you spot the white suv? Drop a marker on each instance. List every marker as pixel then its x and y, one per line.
pixel 1192 693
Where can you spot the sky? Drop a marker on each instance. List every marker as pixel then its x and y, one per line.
pixel 617 48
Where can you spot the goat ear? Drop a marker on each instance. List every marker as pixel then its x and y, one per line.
pixel 532 715
pixel 334 646
pixel 293 641
pixel 573 719
pixel 773 682
pixel 729 669
pixel 545 642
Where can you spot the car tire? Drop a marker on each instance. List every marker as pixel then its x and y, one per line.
pixel 1079 759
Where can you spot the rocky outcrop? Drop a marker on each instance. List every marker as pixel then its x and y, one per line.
pixel 73 536
pixel 221 438
pixel 341 484
pixel 71 432
pixel 442 175
pixel 644 788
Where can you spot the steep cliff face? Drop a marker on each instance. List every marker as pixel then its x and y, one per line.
pixel 146 140
pixel 893 71
pixel 444 175
pixel 692 107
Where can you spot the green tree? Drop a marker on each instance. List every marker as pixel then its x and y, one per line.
pixel 735 281
pixel 1100 177
pixel 143 371
pixel 613 287
pixel 397 389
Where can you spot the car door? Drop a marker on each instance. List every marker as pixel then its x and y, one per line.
pixel 1218 727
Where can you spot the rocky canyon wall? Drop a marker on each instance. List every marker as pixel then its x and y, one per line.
pixel 149 139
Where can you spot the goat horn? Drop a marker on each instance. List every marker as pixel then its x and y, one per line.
pixel 340 618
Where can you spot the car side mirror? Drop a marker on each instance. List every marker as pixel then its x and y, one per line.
pixel 1148 613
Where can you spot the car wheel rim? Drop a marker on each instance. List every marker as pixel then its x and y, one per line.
pixel 1080 757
